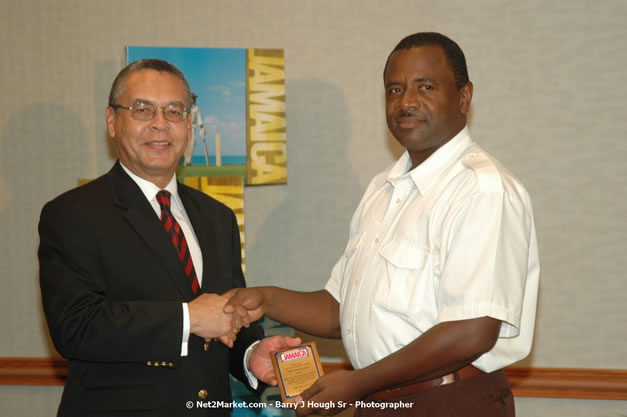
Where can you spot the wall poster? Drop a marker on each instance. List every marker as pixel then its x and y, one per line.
pixel 238 114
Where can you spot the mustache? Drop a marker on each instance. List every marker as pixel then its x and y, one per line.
pixel 407 113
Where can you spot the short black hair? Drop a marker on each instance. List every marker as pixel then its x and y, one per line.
pixel 453 53
pixel 146 64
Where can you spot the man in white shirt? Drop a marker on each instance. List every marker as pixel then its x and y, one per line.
pixel 132 266
pixel 436 291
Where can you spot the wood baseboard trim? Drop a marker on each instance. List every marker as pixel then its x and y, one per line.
pixel 33 371
pixel 593 384
pixel 596 384
pixel 600 384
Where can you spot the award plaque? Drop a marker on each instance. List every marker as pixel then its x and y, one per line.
pixel 296 369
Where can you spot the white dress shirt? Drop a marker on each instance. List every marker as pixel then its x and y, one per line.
pixel 452 239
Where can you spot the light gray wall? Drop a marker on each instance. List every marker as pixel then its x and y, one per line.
pixel 549 101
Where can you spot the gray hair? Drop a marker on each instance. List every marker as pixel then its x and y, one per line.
pixel 146 64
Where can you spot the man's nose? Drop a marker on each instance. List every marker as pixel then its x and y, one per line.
pixel 409 99
pixel 159 121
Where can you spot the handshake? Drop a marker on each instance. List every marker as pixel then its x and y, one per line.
pixel 221 317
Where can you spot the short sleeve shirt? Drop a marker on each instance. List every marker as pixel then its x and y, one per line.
pixel 452 239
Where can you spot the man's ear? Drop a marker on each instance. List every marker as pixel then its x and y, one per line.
pixel 190 126
pixel 110 118
pixel 465 97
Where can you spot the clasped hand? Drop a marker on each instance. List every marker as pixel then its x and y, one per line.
pixel 209 320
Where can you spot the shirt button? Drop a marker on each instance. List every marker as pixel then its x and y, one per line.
pixel 398 201
pixel 206 346
pixel 356 282
pixel 349 331
pixel 202 394
pixel 376 240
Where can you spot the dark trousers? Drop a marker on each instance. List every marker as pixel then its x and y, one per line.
pixel 484 395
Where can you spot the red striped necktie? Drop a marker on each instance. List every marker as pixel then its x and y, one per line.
pixel 177 238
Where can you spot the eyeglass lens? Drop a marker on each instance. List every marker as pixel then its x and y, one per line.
pixel 173 112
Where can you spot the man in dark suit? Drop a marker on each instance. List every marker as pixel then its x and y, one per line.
pixel 133 314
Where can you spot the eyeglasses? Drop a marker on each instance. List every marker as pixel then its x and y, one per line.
pixel 145 110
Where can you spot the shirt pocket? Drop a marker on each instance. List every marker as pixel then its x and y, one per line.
pixel 405 287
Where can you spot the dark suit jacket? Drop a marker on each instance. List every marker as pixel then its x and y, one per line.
pixel 112 288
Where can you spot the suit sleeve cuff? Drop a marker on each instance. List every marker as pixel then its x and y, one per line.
pixel 185 339
pixel 252 379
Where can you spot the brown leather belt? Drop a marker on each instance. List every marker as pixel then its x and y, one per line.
pixel 459 375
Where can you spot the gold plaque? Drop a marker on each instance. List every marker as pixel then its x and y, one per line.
pixel 296 369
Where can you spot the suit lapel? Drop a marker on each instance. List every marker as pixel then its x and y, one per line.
pixel 206 235
pixel 141 217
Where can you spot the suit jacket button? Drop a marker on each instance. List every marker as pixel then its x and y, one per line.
pixel 149 363
pixel 164 363
pixel 156 363
pixel 170 364
pixel 206 346
pixel 202 394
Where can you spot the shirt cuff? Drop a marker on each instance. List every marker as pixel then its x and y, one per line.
pixel 185 339
pixel 252 379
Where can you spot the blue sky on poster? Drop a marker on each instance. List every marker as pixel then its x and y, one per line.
pixel 218 77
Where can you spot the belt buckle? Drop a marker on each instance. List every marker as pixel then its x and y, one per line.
pixel 447 379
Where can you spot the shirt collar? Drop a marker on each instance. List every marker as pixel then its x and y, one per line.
pixel 150 190
pixel 425 174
